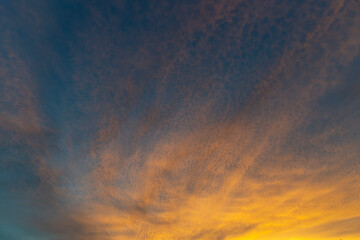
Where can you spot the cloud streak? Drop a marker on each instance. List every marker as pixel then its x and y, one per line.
pixel 193 120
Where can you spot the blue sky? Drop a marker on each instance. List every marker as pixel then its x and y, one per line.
pixel 179 119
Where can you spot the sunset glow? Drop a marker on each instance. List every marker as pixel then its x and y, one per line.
pixel 184 120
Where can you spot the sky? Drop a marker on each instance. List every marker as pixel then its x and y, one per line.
pixel 184 120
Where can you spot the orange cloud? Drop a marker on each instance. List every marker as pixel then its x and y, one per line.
pixel 170 146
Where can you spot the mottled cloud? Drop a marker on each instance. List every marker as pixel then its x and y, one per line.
pixel 191 120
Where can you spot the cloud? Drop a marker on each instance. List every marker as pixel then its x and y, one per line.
pixel 199 120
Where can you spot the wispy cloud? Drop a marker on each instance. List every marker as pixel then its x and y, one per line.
pixel 193 120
